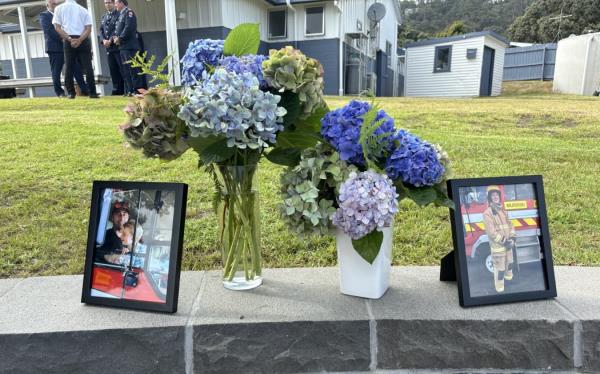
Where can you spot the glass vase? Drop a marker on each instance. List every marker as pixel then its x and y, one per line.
pixel 239 226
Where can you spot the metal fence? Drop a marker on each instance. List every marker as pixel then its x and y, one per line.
pixel 535 62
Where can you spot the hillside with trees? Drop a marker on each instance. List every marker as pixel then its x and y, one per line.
pixel 431 18
pixel 547 21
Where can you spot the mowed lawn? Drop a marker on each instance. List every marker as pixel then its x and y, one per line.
pixel 52 150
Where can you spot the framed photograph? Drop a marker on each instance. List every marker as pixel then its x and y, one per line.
pixel 501 241
pixel 135 236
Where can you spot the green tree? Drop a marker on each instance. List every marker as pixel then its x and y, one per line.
pixel 455 28
pixel 548 21
pixel 423 19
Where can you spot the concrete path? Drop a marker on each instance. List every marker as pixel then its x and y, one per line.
pixel 297 321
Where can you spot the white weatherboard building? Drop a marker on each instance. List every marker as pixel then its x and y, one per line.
pixel 459 66
pixel 337 33
pixel 577 69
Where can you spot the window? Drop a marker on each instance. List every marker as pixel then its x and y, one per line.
pixel 277 23
pixel 443 56
pixel 315 21
pixel 388 52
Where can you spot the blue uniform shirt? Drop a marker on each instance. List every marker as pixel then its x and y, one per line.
pixel 126 29
pixel 107 28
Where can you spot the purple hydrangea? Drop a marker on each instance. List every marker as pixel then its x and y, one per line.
pixel 200 55
pixel 246 63
pixel 367 201
pixel 341 128
pixel 414 161
pixel 231 105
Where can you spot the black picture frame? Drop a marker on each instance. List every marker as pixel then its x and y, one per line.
pixel 455 265
pixel 169 305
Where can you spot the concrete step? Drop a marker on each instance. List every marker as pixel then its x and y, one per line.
pixel 297 321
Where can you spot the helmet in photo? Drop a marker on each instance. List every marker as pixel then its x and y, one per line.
pixel 493 188
pixel 120 206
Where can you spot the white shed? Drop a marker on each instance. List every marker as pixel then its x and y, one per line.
pixel 577 69
pixel 458 66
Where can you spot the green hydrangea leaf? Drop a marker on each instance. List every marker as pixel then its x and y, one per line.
pixel 242 40
pixel 422 196
pixel 284 156
pixel 369 245
pixel 211 148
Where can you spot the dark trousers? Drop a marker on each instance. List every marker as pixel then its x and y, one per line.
pixel 82 55
pixel 131 76
pixel 114 64
pixel 57 61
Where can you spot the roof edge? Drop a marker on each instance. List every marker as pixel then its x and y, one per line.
pixel 470 35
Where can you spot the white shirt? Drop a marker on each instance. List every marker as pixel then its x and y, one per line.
pixel 72 17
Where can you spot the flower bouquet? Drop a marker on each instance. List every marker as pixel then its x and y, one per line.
pixel 351 184
pixel 234 107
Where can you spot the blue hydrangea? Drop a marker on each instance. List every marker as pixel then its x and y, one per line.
pixel 341 129
pixel 246 63
pixel 232 105
pixel 367 201
pixel 200 55
pixel 414 161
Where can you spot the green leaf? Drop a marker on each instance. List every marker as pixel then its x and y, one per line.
pixel 442 198
pixel 242 40
pixel 284 156
pixel 372 145
pixel 211 148
pixel 369 245
pixel 313 122
pixel 423 195
pixel 297 139
pixel 291 102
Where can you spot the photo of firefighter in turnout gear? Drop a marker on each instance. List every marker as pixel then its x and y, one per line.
pixel 502 238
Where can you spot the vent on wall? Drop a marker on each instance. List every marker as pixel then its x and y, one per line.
pixel 471 53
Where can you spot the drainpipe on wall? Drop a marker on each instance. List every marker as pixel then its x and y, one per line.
pixel 289 5
pixel 341 50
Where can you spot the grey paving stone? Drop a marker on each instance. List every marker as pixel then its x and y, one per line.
pixel 45 328
pixel 591 345
pixel 285 347
pixel 7 284
pixel 53 304
pixel 416 293
pixel 301 294
pixel 297 321
pixel 421 325
pixel 148 350
pixel 578 291
pixel 527 344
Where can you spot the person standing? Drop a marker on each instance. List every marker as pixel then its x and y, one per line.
pixel 502 237
pixel 107 30
pixel 74 24
pixel 55 52
pixel 125 38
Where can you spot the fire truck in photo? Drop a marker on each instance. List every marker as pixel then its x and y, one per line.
pixel 519 201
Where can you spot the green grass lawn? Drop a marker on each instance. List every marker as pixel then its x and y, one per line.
pixel 52 150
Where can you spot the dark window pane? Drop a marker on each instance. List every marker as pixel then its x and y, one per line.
pixel 277 23
pixel 442 59
pixel 314 20
pixel 525 191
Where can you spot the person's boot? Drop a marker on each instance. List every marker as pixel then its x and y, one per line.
pixel 509 273
pixel 499 280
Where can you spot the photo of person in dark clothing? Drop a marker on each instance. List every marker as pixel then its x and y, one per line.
pixel 119 238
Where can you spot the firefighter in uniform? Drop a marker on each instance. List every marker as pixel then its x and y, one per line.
pixel 502 237
pixel 107 30
pixel 125 38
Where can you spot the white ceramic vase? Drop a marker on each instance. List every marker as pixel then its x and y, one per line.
pixel 357 276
